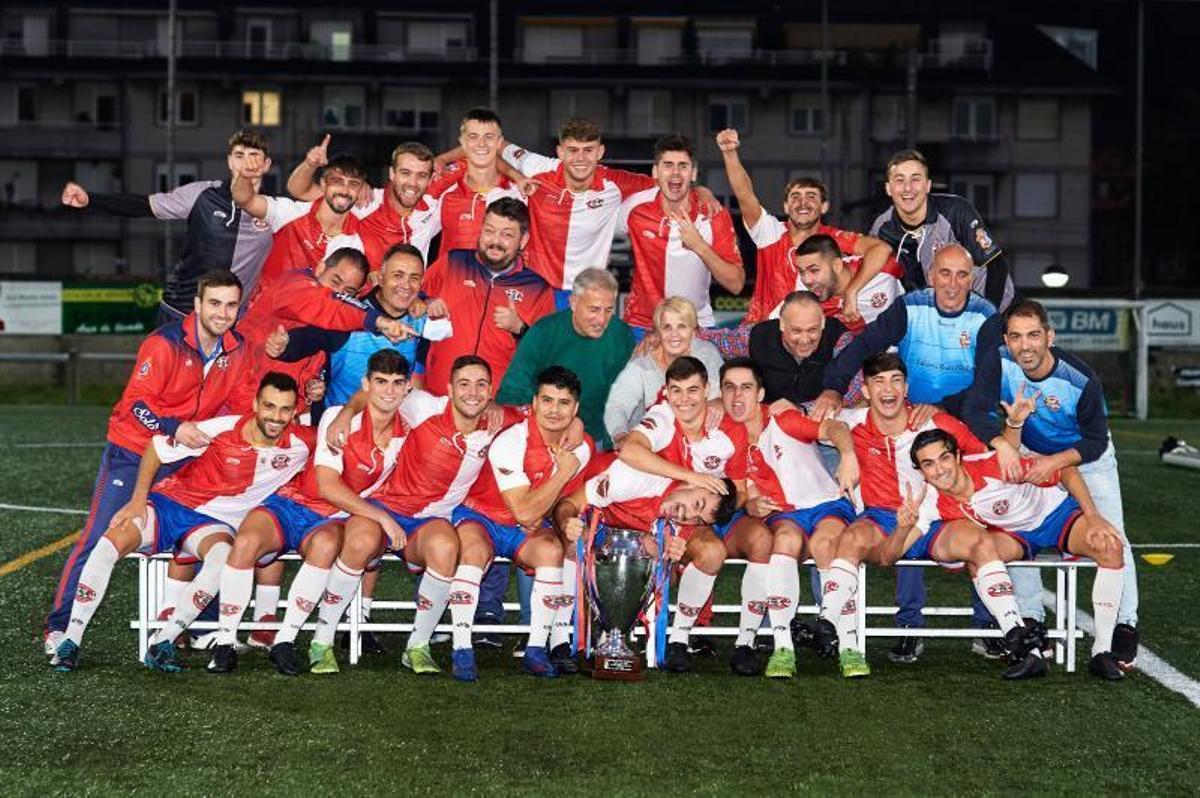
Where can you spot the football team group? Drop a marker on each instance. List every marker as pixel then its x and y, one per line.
pixel 325 381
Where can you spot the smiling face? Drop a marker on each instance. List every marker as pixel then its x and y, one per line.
pixel 273 411
pixel 801 325
pixel 687 398
pixel 804 207
pixel 819 274
pixel 217 310
pixel 470 390
pixel 385 392
pixel 674 173
pixel 951 277
pixel 592 310
pixel 340 190
pixel 342 277
pixel 400 282
pixel 580 160
pixel 940 467
pixel 676 334
pixel 1029 343
pixel 500 242
pixel 690 506
pixel 740 394
pixel 481 142
pixel 908 187
pixel 409 177
pixel 885 392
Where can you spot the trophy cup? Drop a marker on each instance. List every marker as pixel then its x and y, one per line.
pixel 620 577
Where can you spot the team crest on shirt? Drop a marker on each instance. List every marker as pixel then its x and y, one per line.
pixel 200 599
pixel 964 339
pixel 260 224
pixel 1053 403
pixel 222 362
pixel 602 487
pixel 280 461
pixel 514 294
pixel 712 462
pixel 983 239
pixel 595 202
pixel 878 299
pixel 144 369
pixel 1000 507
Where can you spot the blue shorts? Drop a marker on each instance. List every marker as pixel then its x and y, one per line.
pixel 506 540
pixel 638 332
pixel 1051 533
pixel 922 546
pixel 410 525
pixel 884 520
pixel 173 522
pixel 722 530
pixel 293 523
pixel 562 299
pixel 807 518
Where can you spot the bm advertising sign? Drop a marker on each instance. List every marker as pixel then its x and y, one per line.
pixel 1093 328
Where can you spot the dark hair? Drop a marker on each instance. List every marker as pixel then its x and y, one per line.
pixel 351 254
pixel 881 362
pixel 1030 308
pixel 685 367
pixel 347 164
pixel 935 435
pixel 820 244
pixel 279 381
pixel 387 361
pixel 512 209
pixel 462 361
pixel 559 377
pixel 742 363
pixel 901 157
pixel 578 128
pixel 728 506
pixel 801 297
pixel 414 148
pixel 403 249
pixel 480 114
pixel 250 139
pixel 806 182
pixel 217 278
pixel 674 142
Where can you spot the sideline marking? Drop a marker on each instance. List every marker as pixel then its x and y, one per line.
pixel 1164 545
pixel 37 554
pixel 89 445
pixel 1148 662
pixel 32 509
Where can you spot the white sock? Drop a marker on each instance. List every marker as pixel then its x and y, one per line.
pixel 695 586
pixel 754 602
pixel 464 598
pixel 367 601
pixel 171 593
pixel 995 590
pixel 236 586
pixel 432 595
pixel 266 600
pixel 1106 600
pixel 822 576
pixel 564 616
pixel 838 604
pixel 783 594
pixel 198 594
pixel 543 603
pixel 303 597
pixel 339 589
pixel 93 582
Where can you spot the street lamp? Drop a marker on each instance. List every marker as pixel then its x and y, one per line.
pixel 1055 276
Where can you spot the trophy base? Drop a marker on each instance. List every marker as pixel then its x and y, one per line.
pixel 611 668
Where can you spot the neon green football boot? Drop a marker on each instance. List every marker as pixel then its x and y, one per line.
pixel 854 664
pixel 321 659
pixel 782 664
pixel 419 660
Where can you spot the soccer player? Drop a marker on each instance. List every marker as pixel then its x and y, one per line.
pixel 488 294
pixel 400 213
pixel 790 489
pixel 919 224
pixel 307 515
pixel 505 514
pixel 1044 511
pixel 679 246
pixel 194 512
pixel 440 460
pixel 883 431
pixel 1054 406
pixel 185 372
pixel 220 236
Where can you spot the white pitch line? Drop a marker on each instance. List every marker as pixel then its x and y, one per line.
pixel 1148 662
pixel 88 445
pixel 1165 545
pixel 28 508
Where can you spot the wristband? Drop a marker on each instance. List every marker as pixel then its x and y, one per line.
pixel 1011 425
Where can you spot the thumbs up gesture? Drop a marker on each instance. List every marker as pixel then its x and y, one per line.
pixel 506 318
pixel 276 342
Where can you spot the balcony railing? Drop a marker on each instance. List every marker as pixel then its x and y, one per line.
pixel 276 51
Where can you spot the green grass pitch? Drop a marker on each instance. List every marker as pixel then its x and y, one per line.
pixel 945 725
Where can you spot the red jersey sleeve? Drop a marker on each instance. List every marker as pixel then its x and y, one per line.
pixel 431 283
pixel 967 442
pixel 799 426
pixel 724 238
pixel 314 305
pixel 1055 477
pixel 449 176
pixel 628 182
pixel 151 379
pixel 542 305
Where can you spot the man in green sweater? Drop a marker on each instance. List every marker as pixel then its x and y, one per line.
pixel 587 339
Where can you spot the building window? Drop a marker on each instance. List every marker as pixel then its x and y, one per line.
pixel 806 117
pixel 106 110
pixel 27 104
pixel 412 109
pixel 587 103
pixel 889 117
pixel 976 189
pixel 718 45
pixel 728 111
pixel 1035 195
pixel 258 37
pixel 185 172
pixel 260 108
pixel 1038 119
pixel 649 112
pixel 435 38
pixel 343 106
pixel 187 106
pixel 974 118
pixel 550 43
pixel 334 36
pixel 660 42
pixel 19 183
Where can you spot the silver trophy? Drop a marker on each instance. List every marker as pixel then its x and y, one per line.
pixel 620 583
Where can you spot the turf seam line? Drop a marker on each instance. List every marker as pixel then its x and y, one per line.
pixel 33 556
pixel 32 509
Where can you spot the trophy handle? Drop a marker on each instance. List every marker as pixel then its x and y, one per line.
pixel 584 579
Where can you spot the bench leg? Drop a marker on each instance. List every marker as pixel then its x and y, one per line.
pixel 1072 617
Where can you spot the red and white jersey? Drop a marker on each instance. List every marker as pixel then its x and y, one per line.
pixel 720 453
pixel 383 227
pixel 362 464
pixel 462 208
pixel 996 504
pixel 776 274
pixel 519 457
pixel 786 466
pixel 438 464
pixel 230 477
pixel 883 459
pixel 875 297
pixel 663 267
pixel 630 498
pixel 571 232
pixel 300 240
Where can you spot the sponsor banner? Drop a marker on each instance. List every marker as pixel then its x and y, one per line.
pixel 33 308
pixel 109 308
pixel 1173 322
pixel 1090 328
